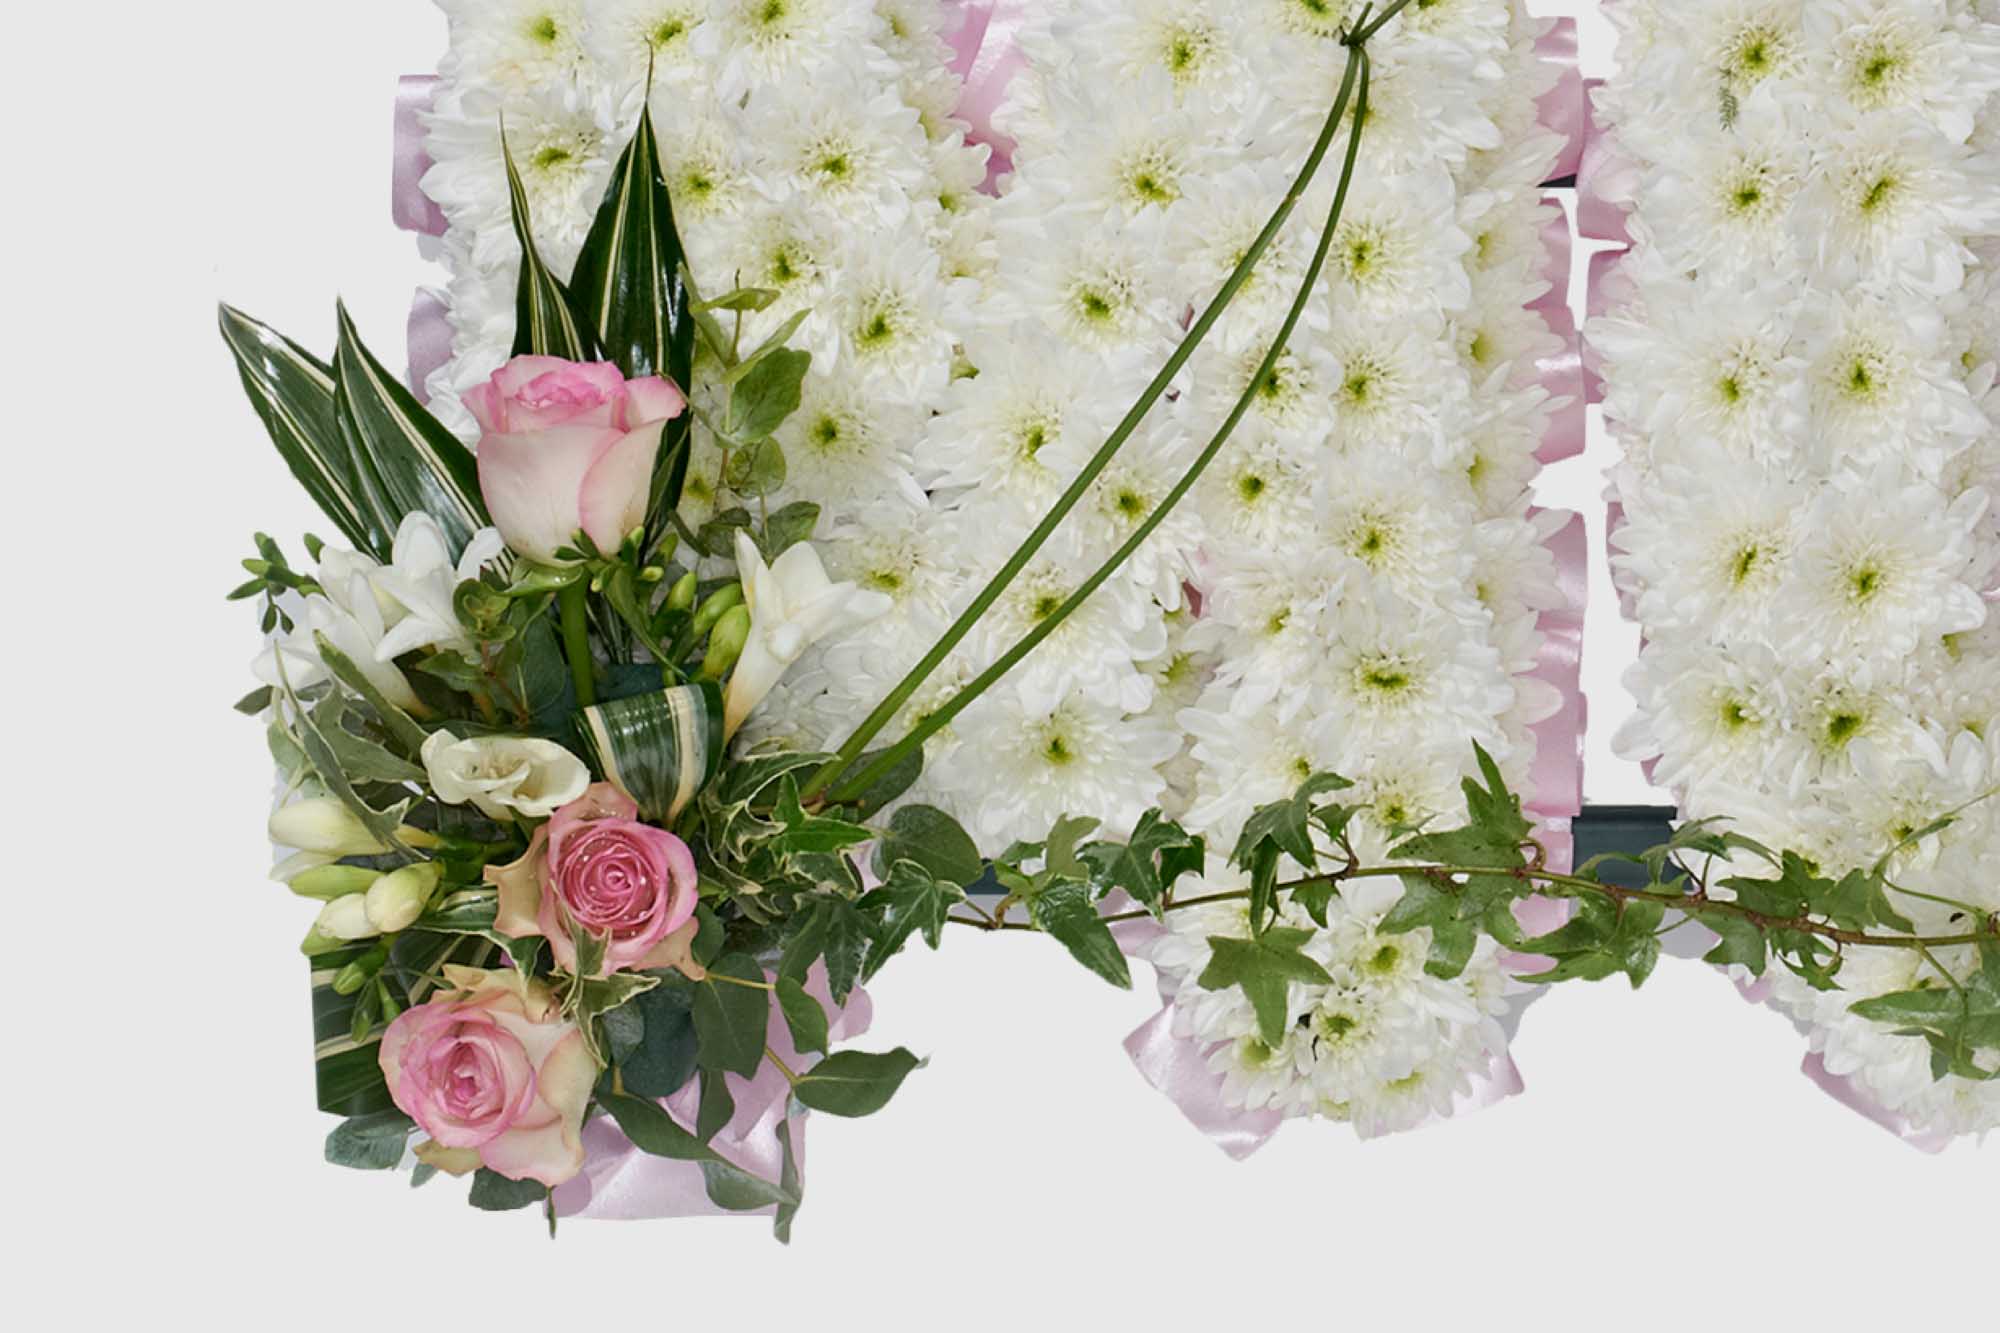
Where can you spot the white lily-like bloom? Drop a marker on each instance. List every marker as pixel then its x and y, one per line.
pixel 793 605
pixel 419 582
pixel 505 776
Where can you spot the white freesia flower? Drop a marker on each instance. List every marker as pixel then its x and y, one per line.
pixel 421 579
pixel 793 605
pixel 507 777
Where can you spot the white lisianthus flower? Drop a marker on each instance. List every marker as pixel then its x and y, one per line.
pixel 507 777
pixel 793 605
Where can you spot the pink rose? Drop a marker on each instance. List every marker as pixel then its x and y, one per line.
pixel 568 447
pixel 489 1068
pixel 594 866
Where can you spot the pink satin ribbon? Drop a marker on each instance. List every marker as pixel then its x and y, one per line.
pixel 412 209
pixel 622 1183
pixel 986 57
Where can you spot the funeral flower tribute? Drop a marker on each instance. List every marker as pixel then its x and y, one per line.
pixel 882 467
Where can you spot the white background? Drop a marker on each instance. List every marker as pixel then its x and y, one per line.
pixel 1668 1167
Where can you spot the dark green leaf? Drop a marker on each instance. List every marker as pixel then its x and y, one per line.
pixel 370 1142
pixel 730 1017
pixel 1068 911
pixel 544 322
pixel 911 900
pixel 803 1016
pixel 495 1193
pixel 665 1058
pixel 407 462
pixel 933 840
pixel 854 1083
pixel 717 1106
pixel 1742 942
pixel 1265 968
pixel 293 393
pixel 767 394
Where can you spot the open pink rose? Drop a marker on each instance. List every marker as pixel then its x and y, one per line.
pixel 594 866
pixel 488 1067
pixel 568 447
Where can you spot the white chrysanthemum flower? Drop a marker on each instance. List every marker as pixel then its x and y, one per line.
pixel 1705 716
pixel 1019 427
pixel 1407 530
pixel 847 445
pixel 1394 672
pixel 1194 43
pixel 703 163
pixel 1027 761
pixel 1882 569
pixel 1092 651
pixel 1248 755
pixel 630 39
pixel 1397 382
pixel 1687 367
pixel 1256 495
pixel 1136 153
pixel 1910 54
pixel 518 45
pixel 1881 390
pixel 853 148
pixel 887 320
pixel 1399 245
pixel 759 44
pixel 562 143
pixel 1265 616
pixel 1710 543
pixel 1891 196
pixel 1104 291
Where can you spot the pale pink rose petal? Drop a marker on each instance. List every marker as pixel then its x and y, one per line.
pixel 612 500
pixel 651 399
pixel 532 484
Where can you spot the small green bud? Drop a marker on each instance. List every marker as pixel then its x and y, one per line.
pixel 389 1006
pixel 682 596
pixel 725 642
pixel 350 979
pixel 717 606
pixel 652 574
pixel 329 882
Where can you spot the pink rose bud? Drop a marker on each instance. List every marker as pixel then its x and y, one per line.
pixel 490 1067
pixel 567 447
pixel 596 868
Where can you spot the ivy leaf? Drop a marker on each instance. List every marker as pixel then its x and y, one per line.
pixel 912 900
pixel 1494 836
pixel 1742 942
pixel 1287 824
pixel 1068 911
pixel 1860 901
pixel 652 1130
pixel 807 833
pixel 731 1019
pixel 855 1083
pixel 803 1016
pixel 1264 967
pixel 829 926
pixel 1148 864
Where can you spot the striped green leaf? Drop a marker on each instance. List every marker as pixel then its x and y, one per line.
pixel 293 392
pixel 347 1074
pixel 544 323
pixel 406 461
pixel 630 292
pixel 659 749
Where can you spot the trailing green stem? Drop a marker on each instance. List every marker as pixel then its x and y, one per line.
pixel 576 640
pixel 1555 885
pixel 1354 85
pixel 893 703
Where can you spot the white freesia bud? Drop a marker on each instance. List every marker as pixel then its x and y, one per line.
pixel 505 776
pixel 793 605
pixel 329 882
pixel 399 897
pixel 346 919
pixel 323 824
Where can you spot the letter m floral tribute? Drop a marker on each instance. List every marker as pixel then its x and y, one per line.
pixel 608 805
